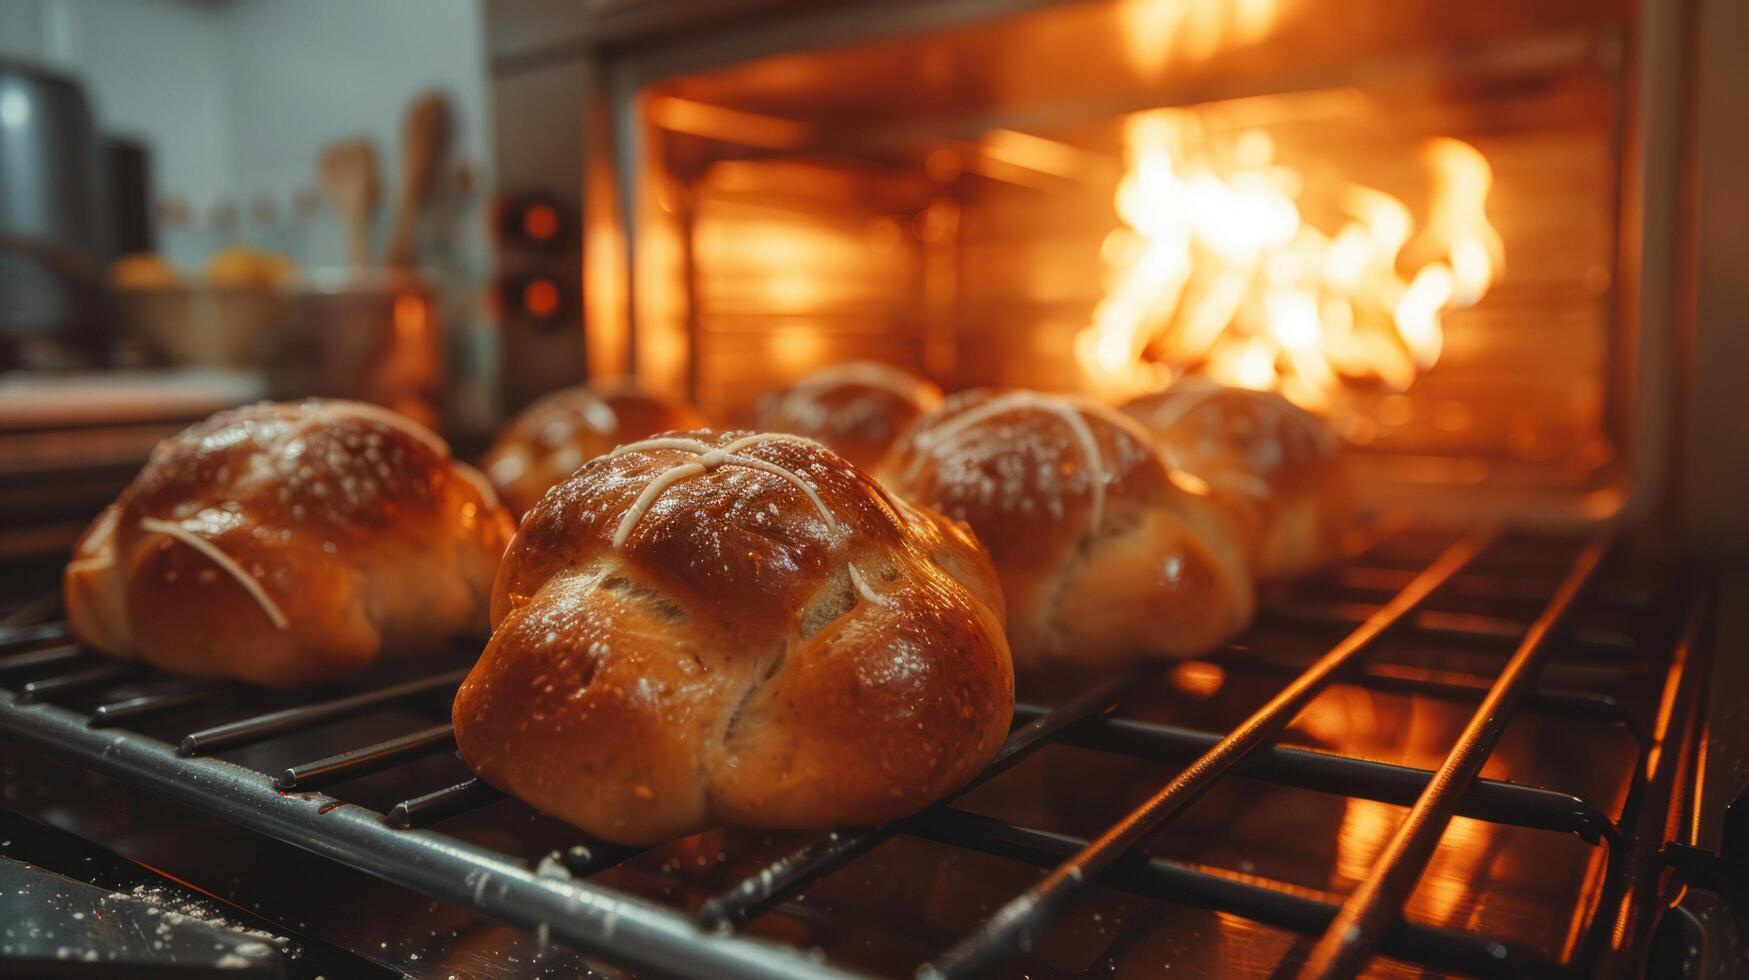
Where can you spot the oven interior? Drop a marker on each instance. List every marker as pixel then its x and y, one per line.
pixel 1407 215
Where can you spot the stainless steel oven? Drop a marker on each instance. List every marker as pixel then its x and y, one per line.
pixel 1493 242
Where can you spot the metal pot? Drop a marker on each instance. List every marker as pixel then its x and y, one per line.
pixel 52 234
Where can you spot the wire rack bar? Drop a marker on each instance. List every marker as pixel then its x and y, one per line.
pixel 1435 622
pixel 817 858
pixel 1489 799
pixel 366 759
pixel 1446 685
pixel 276 723
pixel 1041 904
pixel 1489 587
pixel 19 637
pixel 51 657
pixel 596 920
pixel 586 859
pixel 1635 877
pixel 156 702
pixel 1354 936
pixel 79 680
pixel 31 611
pixel 450 801
pixel 1261 900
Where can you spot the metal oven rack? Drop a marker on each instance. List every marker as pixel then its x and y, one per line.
pixel 403 847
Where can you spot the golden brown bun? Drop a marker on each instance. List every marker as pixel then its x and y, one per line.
pixel 1105 555
pixel 549 439
pixel 856 410
pixel 1281 459
pixel 287 544
pixel 773 641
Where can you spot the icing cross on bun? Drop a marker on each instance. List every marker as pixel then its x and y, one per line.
pixel 703 629
pixel 549 439
pixel 287 544
pixel 1267 452
pixel 1106 554
pixel 856 409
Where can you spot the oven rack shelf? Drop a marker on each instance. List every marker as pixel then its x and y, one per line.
pixel 403 845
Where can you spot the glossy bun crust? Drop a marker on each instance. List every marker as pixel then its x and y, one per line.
pixel 287 544
pixel 1105 555
pixel 1275 456
pixel 549 439
pixel 857 409
pixel 721 628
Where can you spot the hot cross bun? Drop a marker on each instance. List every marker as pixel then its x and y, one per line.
pixel 1275 456
pixel 288 544
pixel 703 629
pixel 855 409
pixel 546 443
pixel 1106 554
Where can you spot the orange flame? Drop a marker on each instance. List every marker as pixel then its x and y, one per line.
pixel 1216 269
pixel 1158 32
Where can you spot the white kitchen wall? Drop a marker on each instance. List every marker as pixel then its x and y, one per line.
pixel 235 99
pixel 304 72
pixel 24 29
pixel 152 69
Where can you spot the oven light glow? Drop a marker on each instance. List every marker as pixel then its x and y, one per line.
pixel 721 123
pixel 1033 153
pixel 1198 678
pixel 540 298
pixel 540 222
pixel 1216 269
pixel 409 316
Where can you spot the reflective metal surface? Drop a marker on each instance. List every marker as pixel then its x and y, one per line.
pixel 1529 876
pixel 55 926
pixel 51 215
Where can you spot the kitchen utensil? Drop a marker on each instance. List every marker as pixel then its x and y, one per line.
pixel 351 180
pixel 424 143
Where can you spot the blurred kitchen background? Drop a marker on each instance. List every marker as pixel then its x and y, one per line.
pixel 233 101
pixel 207 202
pixel 1473 234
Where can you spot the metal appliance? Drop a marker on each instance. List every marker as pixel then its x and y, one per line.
pixel 1507 737
pixel 767 187
pixel 52 229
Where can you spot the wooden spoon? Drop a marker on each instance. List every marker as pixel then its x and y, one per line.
pixel 424 142
pixel 350 178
